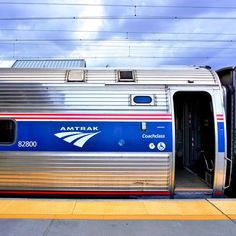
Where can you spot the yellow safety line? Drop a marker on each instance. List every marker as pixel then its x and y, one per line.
pixel 118 210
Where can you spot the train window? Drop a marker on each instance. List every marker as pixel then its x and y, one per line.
pixel 7 131
pixel 126 76
pixel 143 100
pixel 75 76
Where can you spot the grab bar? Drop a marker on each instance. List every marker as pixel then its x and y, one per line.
pixel 206 162
pixel 230 172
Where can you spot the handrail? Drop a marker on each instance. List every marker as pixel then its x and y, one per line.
pixel 206 162
pixel 230 171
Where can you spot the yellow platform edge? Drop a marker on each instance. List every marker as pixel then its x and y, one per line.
pixel 111 217
pixel 118 209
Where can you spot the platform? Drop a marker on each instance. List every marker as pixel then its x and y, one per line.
pixel 207 209
pixel 34 217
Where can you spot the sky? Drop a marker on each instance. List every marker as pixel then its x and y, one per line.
pixel 124 33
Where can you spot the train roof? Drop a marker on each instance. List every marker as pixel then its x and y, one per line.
pixel 190 75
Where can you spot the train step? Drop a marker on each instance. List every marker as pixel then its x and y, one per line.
pixel 183 193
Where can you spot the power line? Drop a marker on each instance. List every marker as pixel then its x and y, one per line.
pixel 115 32
pixel 119 54
pixel 119 40
pixel 126 46
pixel 134 17
pixel 145 48
pixel 128 57
pixel 117 5
pixel 135 46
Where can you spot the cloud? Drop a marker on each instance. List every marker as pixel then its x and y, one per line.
pixel 101 48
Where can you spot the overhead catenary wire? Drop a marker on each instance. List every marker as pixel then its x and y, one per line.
pixel 116 5
pixel 128 17
pixel 116 40
pixel 131 46
pixel 151 47
pixel 114 32
pixel 125 57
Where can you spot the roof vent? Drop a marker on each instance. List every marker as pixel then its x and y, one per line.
pixel 126 76
pixel 75 76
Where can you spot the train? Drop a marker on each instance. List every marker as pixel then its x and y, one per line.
pixel 161 132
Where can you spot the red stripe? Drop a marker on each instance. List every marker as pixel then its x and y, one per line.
pixel 78 119
pixel 165 193
pixel 220 117
pixel 88 116
pixel 134 115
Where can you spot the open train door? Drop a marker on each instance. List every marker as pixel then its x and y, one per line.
pixel 196 150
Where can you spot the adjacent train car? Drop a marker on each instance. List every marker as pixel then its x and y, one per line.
pixel 228 80
pixel 114 132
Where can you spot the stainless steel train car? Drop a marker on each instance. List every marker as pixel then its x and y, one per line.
pixel 158 132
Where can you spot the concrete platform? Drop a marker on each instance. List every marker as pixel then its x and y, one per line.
pixel 25 227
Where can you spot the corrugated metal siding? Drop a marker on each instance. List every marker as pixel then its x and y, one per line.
pixel 185 76
pixel 65 64
pixel 87 172
pixel 82 171
pixel 69 98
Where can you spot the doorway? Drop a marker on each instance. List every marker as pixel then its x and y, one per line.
pixel 195 141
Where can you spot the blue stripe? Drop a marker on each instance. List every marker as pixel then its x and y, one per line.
pixel 92 136
pixel 221 137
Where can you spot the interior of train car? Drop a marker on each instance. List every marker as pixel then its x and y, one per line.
pixel 195 141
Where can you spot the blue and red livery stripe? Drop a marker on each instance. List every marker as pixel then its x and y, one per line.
pixel 221 134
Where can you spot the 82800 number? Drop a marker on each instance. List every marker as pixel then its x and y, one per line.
pixel 27 144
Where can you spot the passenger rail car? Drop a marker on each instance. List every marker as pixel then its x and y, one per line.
pixel 112 132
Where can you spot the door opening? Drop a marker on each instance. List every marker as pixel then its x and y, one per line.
pixel 195 141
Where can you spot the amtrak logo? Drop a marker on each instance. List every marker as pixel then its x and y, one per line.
pixel 76 138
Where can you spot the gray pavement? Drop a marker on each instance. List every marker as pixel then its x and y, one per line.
pixel 21 227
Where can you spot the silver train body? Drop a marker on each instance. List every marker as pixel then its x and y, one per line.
pixel 112 131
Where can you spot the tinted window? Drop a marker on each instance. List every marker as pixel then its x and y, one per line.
pixel 143 99
pixel 7 131
pixel 126 76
